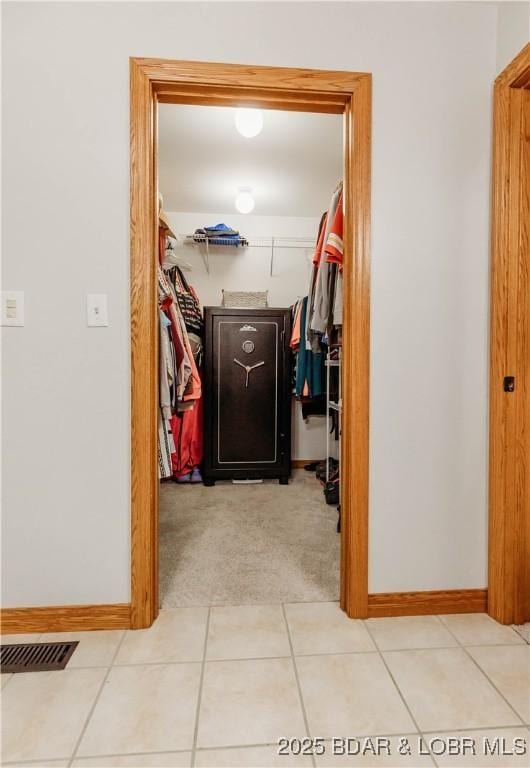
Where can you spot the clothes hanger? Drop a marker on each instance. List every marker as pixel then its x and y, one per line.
pixel 172 259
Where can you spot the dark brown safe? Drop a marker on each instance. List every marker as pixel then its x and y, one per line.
pixel 247 394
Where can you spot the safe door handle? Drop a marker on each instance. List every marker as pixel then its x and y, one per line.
pixel 248 368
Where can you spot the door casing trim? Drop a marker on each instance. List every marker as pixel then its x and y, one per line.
pixel 307 90
pixel 509 443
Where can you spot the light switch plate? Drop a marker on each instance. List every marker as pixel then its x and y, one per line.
pixel 96 310
pixel 13 308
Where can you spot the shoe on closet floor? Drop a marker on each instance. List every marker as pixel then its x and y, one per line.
pixel 196 476
pixel 321 469
pixel 331 493
pixel 183 478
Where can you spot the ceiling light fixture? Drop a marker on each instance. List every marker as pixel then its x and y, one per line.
pixel 244 201
pixel 249 122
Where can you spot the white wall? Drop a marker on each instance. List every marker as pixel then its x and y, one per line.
pixel 249 270
pixel 65 213
pixel 513 31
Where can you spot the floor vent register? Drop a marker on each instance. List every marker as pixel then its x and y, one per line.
pixel 35 657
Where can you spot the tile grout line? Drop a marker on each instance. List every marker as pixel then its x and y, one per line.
pixel 488 645
pixel 98 695
pixel 39 763
pixel 199 693
pixel 11 674
pixel 398 689
pixel 275 743
pixel 490 681
pixel 518 628
pixel 299 687
pixel 298 656
pixel 470 730
pixel 243 658
pixel 193 661
pixel 38 635
pixel 231 747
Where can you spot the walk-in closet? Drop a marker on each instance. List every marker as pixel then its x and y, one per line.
pixel 250 352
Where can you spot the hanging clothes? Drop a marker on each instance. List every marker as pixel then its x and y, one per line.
pixel 334 247
pixel 314 272
pixel 183 361
pixel 181 326
pixel 187 300
pixel 317 318
pixel 323 280
pixel 309 364
pixel 296 326
pixel 166 448
pixel 187 431
pixel 166 366
pixel 334 251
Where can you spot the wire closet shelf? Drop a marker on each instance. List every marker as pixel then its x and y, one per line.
pixel 273 242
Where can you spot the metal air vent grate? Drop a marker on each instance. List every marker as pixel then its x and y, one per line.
pixel 35 657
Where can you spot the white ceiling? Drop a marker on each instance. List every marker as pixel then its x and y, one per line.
pixel 292 166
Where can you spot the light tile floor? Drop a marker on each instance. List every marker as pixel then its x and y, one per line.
pixel 219 687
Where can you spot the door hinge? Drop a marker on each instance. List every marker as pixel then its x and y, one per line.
pixel 509 383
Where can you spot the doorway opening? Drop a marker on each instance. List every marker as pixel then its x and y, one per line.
pixel 155 83
pixel 250 449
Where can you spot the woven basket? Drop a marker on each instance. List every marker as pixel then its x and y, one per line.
pixel 245 299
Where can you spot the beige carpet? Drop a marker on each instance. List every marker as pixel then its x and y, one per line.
pixel 240 544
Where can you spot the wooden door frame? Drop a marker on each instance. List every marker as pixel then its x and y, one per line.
pixel 509 482
pixel 307 90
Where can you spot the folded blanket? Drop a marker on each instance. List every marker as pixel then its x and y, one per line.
pixel 220 229
pixel 220 234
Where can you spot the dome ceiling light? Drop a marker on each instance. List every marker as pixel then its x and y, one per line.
pixel 244 201
pixel 249 122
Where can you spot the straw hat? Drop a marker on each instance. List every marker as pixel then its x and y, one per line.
pixel 162 218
